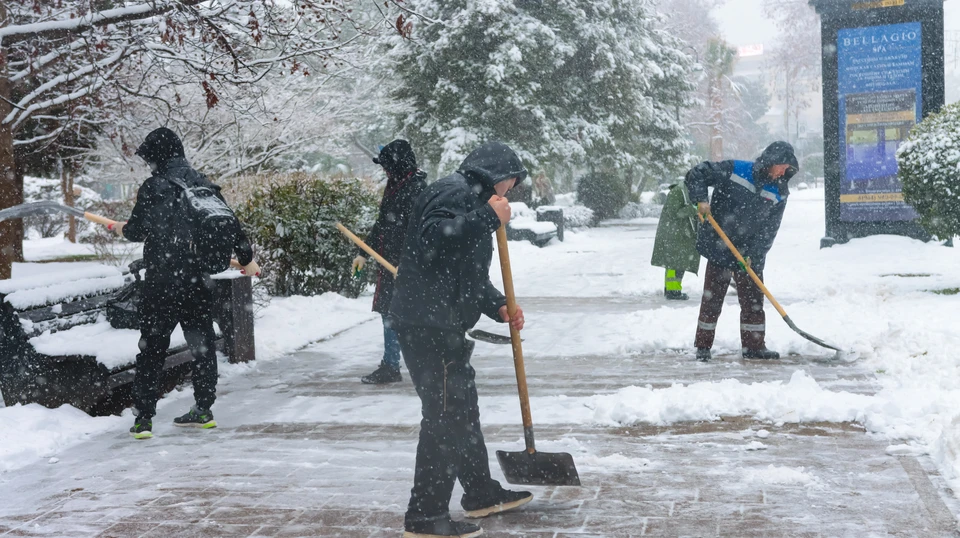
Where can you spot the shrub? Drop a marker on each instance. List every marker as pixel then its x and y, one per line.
pixel 291 223
pixel 605 194
pixel 929 168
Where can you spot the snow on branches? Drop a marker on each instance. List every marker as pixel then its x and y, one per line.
pixel 72 67
pixel 575 83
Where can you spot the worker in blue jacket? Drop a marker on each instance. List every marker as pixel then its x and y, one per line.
pixel 748 203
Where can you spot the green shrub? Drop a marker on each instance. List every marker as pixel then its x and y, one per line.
pixel 291 223
pixel 929 167
pixel 606 194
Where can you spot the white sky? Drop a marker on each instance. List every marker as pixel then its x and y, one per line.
pixel 743 23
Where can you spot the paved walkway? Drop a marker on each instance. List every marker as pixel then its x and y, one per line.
pixel 285 461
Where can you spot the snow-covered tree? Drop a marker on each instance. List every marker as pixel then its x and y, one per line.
pixel 566 83
pixel 928 165
pixel 74 67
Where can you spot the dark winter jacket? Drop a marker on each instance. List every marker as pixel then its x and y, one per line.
pixel 444 279
pixel 154 219
pixel 746 203
pixel 386 236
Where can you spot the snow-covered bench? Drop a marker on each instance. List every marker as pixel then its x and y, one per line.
pixel 57 347
pixel 538 227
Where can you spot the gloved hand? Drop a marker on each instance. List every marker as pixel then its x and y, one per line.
pixel 252 269
pixel 117 228
pixel 743 267
pixel 358 263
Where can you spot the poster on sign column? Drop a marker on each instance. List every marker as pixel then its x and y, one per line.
pixel 879 82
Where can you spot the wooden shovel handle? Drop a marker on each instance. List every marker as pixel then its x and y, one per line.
pixel 736 253
pixel 366 248
pixel 515 338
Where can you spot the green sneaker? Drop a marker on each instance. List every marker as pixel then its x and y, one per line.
pixel 196 418
pixel 142 429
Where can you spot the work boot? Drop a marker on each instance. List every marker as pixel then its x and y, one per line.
pixel 142 428
pixel 196 418
pixel 762 353
pixel 441 527
pixel 675 295
pixel 502 500
pixel 382 375
pixel 703 354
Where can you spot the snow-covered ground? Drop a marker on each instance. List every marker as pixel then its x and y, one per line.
pixel 873 296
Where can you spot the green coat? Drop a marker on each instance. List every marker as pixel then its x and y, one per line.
pixel 676 244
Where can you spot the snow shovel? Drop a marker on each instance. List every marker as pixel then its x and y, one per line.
pixel 756 279
pixel 528 466
pixel 476 334
pixel 49 206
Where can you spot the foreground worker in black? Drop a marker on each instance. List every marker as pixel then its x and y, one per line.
pixel 175 289
pixel 442 289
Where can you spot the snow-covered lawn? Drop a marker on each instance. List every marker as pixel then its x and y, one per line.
pixel 873 296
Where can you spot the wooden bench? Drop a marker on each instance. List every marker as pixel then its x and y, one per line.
pixel 57 347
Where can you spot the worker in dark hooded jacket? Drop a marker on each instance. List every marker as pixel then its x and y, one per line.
pixel 748 203
pixel 442 290
pixel 174 290
pixel 404 184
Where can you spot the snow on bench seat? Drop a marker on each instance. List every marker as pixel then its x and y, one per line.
pixel 55 287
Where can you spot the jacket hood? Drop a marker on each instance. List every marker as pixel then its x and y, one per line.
pixel 397 159
pixel 492 163
pixel 160 146
pixel 776 153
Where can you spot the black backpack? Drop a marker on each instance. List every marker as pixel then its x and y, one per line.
pixel 211 224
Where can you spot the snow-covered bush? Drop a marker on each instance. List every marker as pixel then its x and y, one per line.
pixel 291 223
pixel 929 167
pixel 604 193
pixel 578 216
pixel 635 210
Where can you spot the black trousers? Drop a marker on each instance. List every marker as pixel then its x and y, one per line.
pixel 163 305
pixel 752 318
pixel 451 444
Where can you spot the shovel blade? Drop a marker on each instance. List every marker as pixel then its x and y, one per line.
pixel 809 336
pixel 539 468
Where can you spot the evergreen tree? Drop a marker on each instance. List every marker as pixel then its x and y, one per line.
pixel 567 83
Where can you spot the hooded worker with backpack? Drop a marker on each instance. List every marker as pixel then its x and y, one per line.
pixel 188 232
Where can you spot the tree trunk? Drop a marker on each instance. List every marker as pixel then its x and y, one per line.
pixel 9 230
pixel 66 187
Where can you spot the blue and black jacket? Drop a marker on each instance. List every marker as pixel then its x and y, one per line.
pixel 746 203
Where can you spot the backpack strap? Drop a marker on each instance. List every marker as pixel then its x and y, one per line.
pixel 178 182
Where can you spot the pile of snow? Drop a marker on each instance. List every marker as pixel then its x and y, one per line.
pixel 291 323
pixel 32 432
pixel 574 214
pixel 773 474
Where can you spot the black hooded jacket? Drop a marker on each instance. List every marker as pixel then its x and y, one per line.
pixel 444 279
pixel 746 202
pixel 386 236
pixel 154 218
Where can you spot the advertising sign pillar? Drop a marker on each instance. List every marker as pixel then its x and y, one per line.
pixel 882 73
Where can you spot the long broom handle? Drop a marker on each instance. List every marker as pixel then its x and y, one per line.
pixel 753 275
pixel 109 222
pixel 504 252
pixel 366 248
